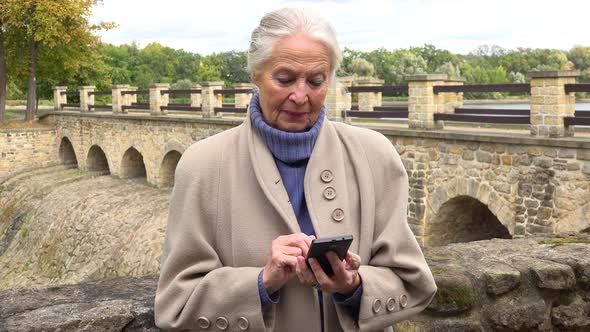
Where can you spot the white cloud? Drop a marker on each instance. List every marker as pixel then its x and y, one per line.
pixel 456 25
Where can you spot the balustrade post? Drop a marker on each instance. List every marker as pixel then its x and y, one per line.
pixel 196 99
pixel 335 100
pixel 131 99
pixel 157 100
pixel 452 100
pixel 423 103
pixel 58 98
pixel 368 100
pixel 242 100
pixel 86 99
pixel 118 99
pixel 550 104
pixel 347 83
pixel 209 98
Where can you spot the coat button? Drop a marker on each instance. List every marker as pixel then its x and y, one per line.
pixel 221 323
pixel 390 304
pixel 376 305
pixel 403 301
pixel 203 322
pixel 243 323
pixel 327 176
pixel 329 193
pixel 338 214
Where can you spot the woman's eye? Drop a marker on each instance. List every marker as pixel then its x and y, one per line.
pixel 317 82
pixel 284 80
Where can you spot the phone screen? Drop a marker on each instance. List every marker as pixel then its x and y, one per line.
pixel 319 248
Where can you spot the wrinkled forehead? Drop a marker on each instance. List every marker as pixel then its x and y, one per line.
pixel 301 52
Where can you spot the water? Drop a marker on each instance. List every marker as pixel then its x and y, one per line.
pixel 584 106
pixel 60 225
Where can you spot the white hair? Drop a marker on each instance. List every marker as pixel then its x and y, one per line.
pixel 286 22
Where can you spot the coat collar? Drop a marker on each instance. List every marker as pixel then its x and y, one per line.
pixel 326 156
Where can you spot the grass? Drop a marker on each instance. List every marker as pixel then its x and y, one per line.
pixel 564 240
pixel 42 102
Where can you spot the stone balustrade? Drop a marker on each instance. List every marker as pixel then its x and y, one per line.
pixel 550 104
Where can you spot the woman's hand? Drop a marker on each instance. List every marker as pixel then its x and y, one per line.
pixel 346 278
pixel 282 262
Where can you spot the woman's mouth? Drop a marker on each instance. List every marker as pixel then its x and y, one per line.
pixel 294 115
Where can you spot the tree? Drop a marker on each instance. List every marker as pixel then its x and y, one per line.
pixel 362 67
pixel 48 24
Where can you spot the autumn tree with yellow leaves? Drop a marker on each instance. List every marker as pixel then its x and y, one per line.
pixel 56 26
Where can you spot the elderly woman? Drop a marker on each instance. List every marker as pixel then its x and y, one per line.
pixel 248 202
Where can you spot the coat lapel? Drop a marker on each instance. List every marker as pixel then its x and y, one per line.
pixel 269 178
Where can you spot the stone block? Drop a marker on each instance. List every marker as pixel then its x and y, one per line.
pixel 531 203
pixel 583 155
pixel 468 155
pixel 586 168
pixel 535 151
pixel 455 293
pixel 571 313
pixel 483 157
pixel 500 278
pixel 551 275
pixel 543 162
pixel 520 314
pixel 566 153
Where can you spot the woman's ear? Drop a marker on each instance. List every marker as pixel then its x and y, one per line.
pixel 254 77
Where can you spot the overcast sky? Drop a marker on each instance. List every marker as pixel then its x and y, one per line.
pixel 456 25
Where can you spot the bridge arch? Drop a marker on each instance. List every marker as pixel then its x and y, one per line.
pixel 132 164
pixel 67 154
pixel 96 160
pixel 465 210
pixel 168 167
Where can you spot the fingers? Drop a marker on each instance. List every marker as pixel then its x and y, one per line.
pixel 299 240
pixel 304 274
pixel 353 261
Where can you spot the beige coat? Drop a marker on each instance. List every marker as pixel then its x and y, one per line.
pixel 229 203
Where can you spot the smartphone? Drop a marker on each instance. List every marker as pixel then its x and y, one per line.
pixel 319 248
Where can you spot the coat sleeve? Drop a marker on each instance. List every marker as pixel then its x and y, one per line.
pixel 397 282
pixel 195 290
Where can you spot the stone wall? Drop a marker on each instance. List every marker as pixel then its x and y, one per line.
pixel 535 284
pixel 25 149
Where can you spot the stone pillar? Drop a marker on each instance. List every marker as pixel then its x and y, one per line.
pixel 58 98
pixel 209 98
pixel 550 104
pixel 347 83
pixel 368 100
pixel 157 100
pixel 336 100
pixel 131 98
pixel 119 100
pixel 86 99
pixel 196 99
pixel 422 102
pixel 452 100
pixel 242 100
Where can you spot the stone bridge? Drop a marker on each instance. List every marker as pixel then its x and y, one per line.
pixel 464 186
pixel 466 183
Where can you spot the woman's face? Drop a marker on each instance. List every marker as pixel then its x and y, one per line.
pixel 294 82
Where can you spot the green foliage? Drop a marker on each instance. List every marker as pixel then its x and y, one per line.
pixel 564 240
pixel 362 67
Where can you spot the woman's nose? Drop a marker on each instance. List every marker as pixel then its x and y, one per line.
pixel 299 94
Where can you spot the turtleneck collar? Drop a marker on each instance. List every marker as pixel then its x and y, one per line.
pixel 288 147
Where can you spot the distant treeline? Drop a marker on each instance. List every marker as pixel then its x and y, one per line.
pixel 129 64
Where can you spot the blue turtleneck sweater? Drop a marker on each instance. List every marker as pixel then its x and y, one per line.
pixel 291 152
